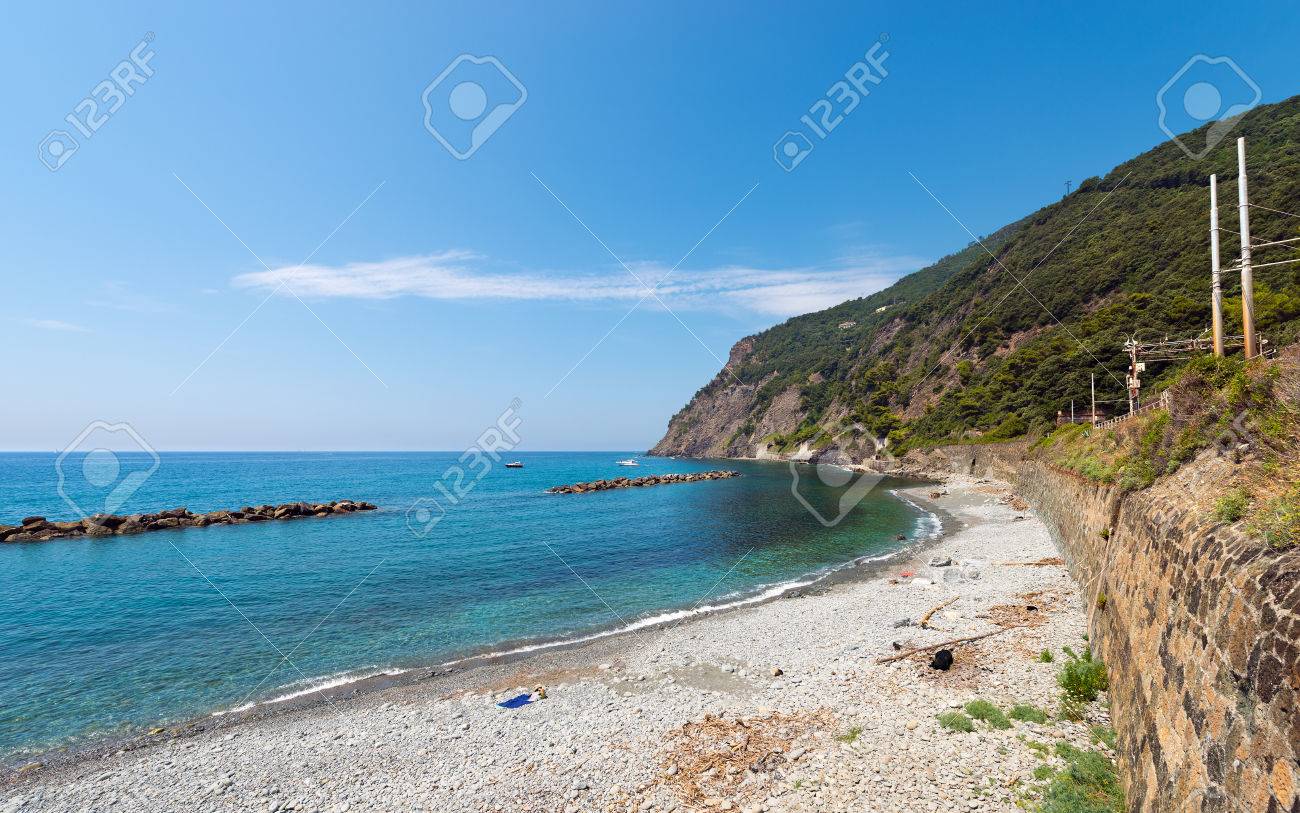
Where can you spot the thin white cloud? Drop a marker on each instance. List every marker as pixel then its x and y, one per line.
pixel 464 275
pixel 123 297
pixel 55 324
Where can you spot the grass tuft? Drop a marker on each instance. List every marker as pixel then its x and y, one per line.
pixel 851 735
pixel 956 721
pixel 1278 522
pixel 1071 709
pixel 989 713
pixel 1087 784
pixel 1046 656
pixel 1028 714
pixel 1103 734
pixel 1231 506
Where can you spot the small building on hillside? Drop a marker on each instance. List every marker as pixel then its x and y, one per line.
pixel 1081 416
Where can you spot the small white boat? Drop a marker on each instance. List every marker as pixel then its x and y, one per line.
pixel 631 461
pixel 515 465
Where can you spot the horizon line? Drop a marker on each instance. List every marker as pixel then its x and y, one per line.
pixel 321 451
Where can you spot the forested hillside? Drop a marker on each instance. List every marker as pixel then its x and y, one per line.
pixel 992 341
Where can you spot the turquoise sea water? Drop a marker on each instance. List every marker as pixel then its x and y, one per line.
pixel 101 637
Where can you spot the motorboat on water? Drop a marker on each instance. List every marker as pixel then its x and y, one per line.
pixel 516 464
pixel 631 461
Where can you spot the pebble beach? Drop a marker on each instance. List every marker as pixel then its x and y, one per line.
pixel 782 706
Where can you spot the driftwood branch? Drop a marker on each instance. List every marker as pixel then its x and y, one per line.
pixel 1050 561
pixel 954 642
pixel 925 619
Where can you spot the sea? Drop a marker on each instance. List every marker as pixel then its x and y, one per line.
pixel 103 638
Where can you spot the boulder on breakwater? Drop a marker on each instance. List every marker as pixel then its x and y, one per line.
pixel 638 482
pixel 38 529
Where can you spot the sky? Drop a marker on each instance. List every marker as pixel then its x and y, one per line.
pixel 341 227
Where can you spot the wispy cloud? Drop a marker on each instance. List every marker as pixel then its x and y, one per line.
pixel 466 275
pixel 55 324
pixel 123 297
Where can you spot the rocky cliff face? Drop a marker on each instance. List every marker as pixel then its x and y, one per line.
pixel 1197 621
pixel 723 420
pixel 717 422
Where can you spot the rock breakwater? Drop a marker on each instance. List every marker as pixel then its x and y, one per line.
pixel 639 482
pixel 39 529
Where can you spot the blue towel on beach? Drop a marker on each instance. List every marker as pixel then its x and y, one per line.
pixel 516 701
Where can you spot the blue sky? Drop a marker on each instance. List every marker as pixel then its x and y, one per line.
pixel 439 289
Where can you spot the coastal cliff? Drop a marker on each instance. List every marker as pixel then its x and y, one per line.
pixel 718 422
pixel 993 341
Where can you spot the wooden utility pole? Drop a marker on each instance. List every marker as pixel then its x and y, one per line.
pixel 1216 285
pixel 1247 283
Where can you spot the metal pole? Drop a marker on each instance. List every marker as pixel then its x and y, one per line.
pixel 1071 410
pixel 1247 283
pixel 1094 399
pixel 1132 375
pixel 1216 285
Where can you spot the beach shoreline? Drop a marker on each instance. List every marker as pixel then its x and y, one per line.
pixel 637 687
pixel 478 666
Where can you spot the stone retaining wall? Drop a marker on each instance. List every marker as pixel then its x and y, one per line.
pixel 1199 624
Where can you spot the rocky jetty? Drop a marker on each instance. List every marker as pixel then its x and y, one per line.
pixel 638 482
pixel 39 529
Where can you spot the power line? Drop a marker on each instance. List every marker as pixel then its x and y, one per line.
pixel 1268 209
pixel 1267 265
pixel 1277 242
